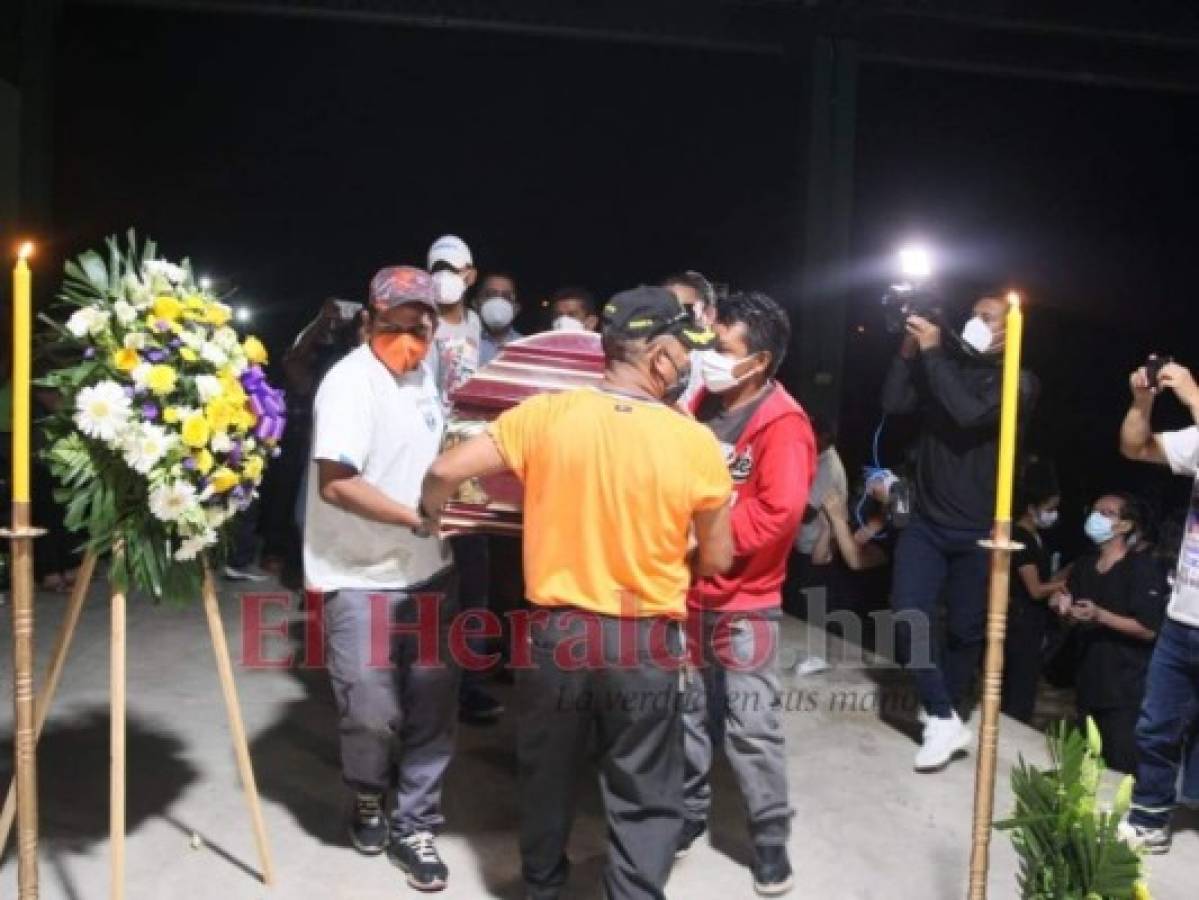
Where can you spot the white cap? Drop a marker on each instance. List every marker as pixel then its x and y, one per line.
pixel 452 249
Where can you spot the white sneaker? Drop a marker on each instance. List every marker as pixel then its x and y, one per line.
pixel 944 739
pixel 1149 840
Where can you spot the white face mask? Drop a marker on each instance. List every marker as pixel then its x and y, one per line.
pixel 1046 518
pixel 717 371
pixel 497 312
pixel 977 334
pixel 448 287
pixel 568 323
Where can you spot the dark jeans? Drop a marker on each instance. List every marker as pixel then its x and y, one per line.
pixel 1168 717
pixel 933 562
pixel 472 560
pixel 630 705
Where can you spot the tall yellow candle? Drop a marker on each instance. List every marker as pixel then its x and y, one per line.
pixel 1009 409
pixel 22 341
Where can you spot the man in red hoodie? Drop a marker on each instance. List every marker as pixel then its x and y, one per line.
pixel 733 689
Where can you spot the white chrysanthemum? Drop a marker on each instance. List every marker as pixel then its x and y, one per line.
pixel 144 446
pixel 216 516
pixel 208 387
pixel 124 312
pixel 141 374
pixel 191 546
pixel 88 320
pixel 192 338
pixel 226 338
pixel 172 502
pixel 171 272
pixel 238 364
pixel 102 410
pixel 135 340
pixel 214 355
pixel 220 443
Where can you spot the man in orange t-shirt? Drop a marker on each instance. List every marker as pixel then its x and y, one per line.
pixel 615 483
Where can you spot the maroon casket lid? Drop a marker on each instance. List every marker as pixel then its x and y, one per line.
pixel 542 363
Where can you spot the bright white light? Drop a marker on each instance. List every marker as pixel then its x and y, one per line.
pixel 915 262
pixel 242 314
pixel 205 283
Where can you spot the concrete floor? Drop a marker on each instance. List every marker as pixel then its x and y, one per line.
pixel 866 825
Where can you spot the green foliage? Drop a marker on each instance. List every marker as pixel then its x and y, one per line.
pixel 1068 845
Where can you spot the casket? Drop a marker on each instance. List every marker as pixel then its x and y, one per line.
pixel 543 363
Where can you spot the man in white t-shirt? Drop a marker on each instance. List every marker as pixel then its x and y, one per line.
pixel 457 354
pixel 1171 706
pixel 459 329
pixel 377 426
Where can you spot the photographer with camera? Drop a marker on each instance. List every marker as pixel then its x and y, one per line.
pixel 957 394
pixel 1170 710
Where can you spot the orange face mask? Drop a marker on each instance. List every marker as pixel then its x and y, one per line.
pixel 401 353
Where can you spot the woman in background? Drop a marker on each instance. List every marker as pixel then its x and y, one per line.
pixel 1115 600
pixel 1032 585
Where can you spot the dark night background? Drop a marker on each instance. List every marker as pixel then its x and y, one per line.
pixel 293 158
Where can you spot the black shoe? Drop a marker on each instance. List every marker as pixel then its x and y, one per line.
pixel 772 870
pixel 693 829
pixel 477 706
pixel 416 856
pixel 368 827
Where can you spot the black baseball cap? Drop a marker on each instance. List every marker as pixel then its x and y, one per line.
pixel 648 312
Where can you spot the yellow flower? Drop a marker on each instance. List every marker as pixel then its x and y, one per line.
pixel 204 461
pixel 231 388
pixel 187 354
pixel 194 308
pixel 126 359
pixel 161 380
pixel 224 479
pixel 244 420
pixel 220 414
pixel 196 430
pixel 255 352
pixel 170 415
pixel 252 470
pixel 1140 891
pixel 217 314
pixel 166 307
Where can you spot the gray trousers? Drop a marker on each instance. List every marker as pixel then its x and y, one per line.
pixel 395 686
pixel 739 704
pixel 629 711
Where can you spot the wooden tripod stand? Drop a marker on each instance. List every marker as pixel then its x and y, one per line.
pixel 117 737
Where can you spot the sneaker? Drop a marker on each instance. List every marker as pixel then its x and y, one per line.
pixel 772 870
pixel 1146 838
pixel 693 830
pixel 477 705
pixel 944 740
pixel 244 573
pixel 416 856
pixel 368 827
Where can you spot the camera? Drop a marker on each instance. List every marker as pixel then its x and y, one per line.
pixel 1154 365
pixel 887 496
pixel 904 300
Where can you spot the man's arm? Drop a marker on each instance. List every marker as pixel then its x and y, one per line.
pixel 1137 441
pixel 343 487
pixel 856 549
pixel 713 553
pixel 471 459
pixel 785 463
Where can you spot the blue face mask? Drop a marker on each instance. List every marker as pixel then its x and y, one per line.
pixel 1099 528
